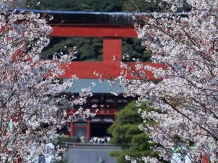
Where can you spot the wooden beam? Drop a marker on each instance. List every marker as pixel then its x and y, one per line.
pixel 93 31
pixel 107 69
pixel 112 47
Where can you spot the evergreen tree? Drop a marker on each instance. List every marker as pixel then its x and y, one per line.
pixel 126 134
pixel 79 5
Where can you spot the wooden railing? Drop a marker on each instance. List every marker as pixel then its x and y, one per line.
pixel 99 112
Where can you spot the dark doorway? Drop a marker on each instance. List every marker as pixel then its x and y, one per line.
pixel 99 129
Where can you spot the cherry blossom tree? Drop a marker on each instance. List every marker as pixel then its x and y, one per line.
pixel 186 44
pixel 30 91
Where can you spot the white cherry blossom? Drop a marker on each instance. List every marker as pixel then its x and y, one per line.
pixel 30 90
pixel 187 92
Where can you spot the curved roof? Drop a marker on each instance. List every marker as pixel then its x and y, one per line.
pixel 78 17
pixel 81 17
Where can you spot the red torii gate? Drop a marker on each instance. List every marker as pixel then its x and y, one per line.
pixel 112 27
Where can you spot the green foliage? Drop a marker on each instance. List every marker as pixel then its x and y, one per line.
pixel 127 135
pixel 89 49
pixel 79 5
pixel 62 140
pixel 132 47
pixel 96 5
pixel 141 6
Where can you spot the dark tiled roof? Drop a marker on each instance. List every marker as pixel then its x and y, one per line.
pixel 81 17
pixel 95 18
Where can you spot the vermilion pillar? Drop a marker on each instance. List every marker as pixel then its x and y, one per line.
pixel 88 129
pixel 18 160
pixel 71 129
pixel 112 47
pixel 205 159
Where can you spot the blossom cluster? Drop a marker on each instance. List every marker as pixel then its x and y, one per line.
pixel 30 88
pixel 187 92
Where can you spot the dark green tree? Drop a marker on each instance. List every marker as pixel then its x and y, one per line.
pixel 141 6
pixel 96 5
pixel 79 5
pixel 126 134
pixel 88 49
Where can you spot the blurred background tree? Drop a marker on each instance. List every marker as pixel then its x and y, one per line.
pixel 90 49
pixel 96 5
